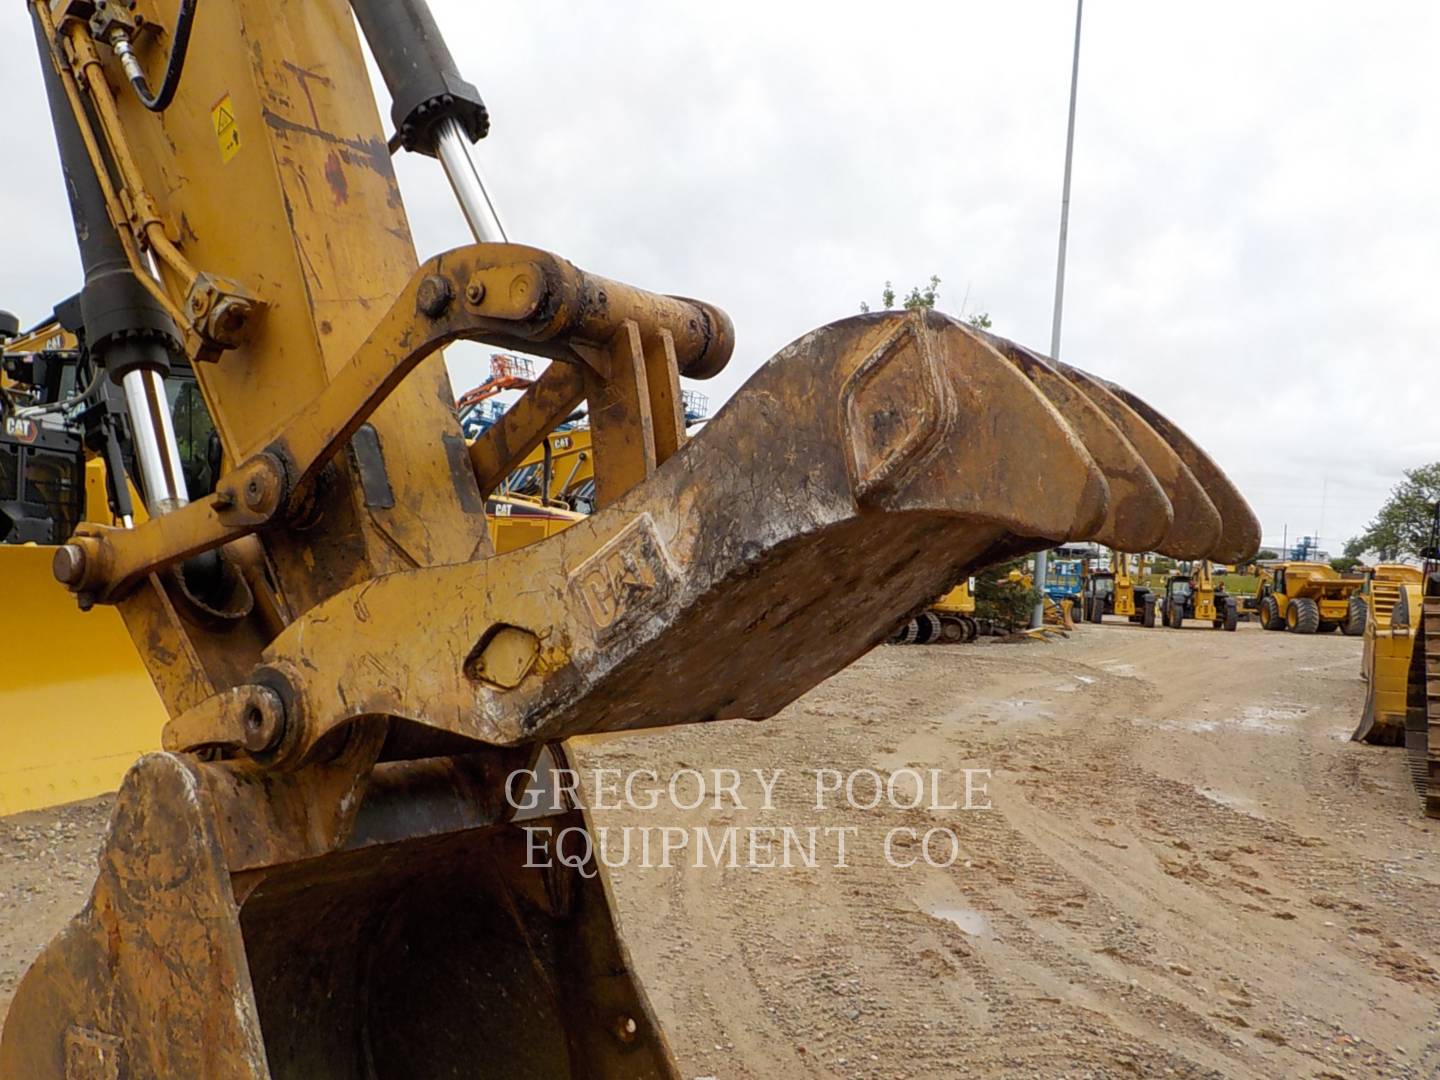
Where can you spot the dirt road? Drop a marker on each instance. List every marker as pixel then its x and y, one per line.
pixel 1186 870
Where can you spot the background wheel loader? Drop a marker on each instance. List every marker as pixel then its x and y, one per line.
pixel 324 872
pixel 1306 598
pixel 1196 595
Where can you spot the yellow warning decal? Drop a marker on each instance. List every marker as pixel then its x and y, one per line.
pixel 227 132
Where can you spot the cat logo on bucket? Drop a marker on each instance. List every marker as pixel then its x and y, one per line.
pixel 21 430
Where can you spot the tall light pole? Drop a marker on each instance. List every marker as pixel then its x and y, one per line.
pixel 1038 617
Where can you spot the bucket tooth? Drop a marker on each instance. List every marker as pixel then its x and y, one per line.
pixel 1240 529
pixel 1140 515
pixel 1196 528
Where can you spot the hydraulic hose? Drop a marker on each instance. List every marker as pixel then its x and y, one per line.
pixel 174 67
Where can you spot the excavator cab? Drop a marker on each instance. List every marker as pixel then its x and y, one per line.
pixel 331 867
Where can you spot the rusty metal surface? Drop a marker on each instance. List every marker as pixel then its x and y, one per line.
pixel 1195 529
pixel 325 880
pixel 1139 515
pixel 1240 529
pixel 415 946
pixel 918 453
pixel 534 300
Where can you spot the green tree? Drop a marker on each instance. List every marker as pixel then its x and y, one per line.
pixel 923 299
pixel 1271 553
pixel 1001 600
pixel 1403 525
pixel 1343 564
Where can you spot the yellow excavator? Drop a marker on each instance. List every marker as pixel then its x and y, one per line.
pixel 1388 610
pixel 329 869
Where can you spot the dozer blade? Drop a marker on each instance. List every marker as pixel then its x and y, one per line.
pixel 76 704
pixel 354 901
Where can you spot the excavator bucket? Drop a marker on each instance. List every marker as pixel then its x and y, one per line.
pixel 362 899
pixel 76 704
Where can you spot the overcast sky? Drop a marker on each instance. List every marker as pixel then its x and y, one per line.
pixel 1255 220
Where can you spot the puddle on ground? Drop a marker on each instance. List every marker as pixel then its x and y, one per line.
pixel 1267 720
pixel 1234 802
pixel 940 899
pixel 971 921
pixel 1023 709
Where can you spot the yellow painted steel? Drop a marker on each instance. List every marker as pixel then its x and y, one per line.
pixel 1393 601
pixel 958 601
pixel 1125 582
pixel 515 522
pixel 76 705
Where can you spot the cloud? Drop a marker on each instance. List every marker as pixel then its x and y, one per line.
pixel 1254 222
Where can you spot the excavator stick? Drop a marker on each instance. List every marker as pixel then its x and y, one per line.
pixel 327 871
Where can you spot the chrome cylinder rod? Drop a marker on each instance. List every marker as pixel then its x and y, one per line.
pixel 156 451
pixel 463 171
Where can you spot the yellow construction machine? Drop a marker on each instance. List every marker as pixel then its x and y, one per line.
pixel 331 868
pixel 76 704
pixel 1388 609
pixel 1115 591
pixel 950 619
pixel 1306 598
pixel 1197 595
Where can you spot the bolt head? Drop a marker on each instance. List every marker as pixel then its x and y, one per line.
pixel 69 564
pixel 433 296
pixel 263 721
pixel 474 292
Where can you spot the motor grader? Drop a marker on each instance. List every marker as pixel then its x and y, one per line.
pixel 1389 607
pixel 323 872
pixel 1306 598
